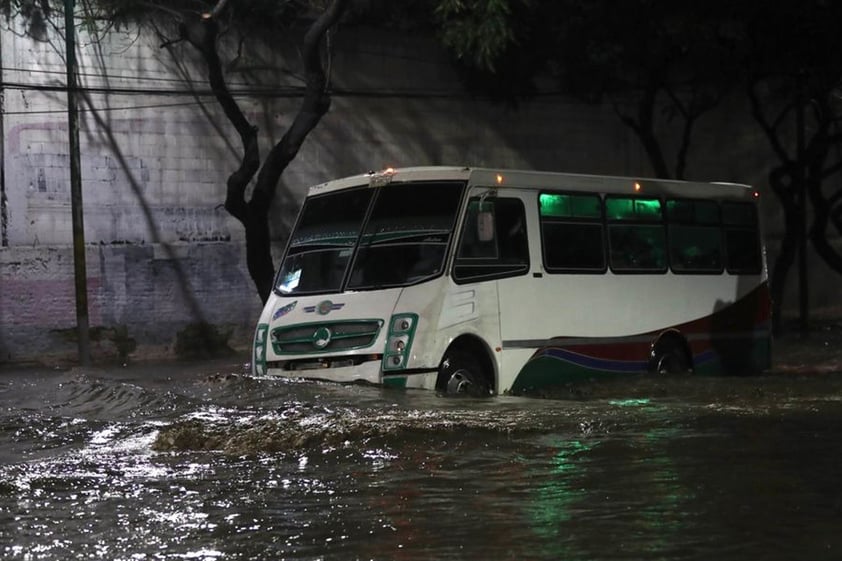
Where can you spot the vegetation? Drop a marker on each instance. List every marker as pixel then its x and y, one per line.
pixel 793 72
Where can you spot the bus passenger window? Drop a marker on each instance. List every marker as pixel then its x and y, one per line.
pixel 637 248
pixel 572 234
pixel 742 239
pixel 695 237
pixel 636 237
pixel 505 254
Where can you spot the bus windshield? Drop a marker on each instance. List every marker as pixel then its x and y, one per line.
pixel 402 239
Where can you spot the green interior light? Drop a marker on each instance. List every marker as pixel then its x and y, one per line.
pixel 557 205
pixel 627 208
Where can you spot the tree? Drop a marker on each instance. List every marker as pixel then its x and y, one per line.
pixel 202 33
pixel 792 53
pixel 657 62
pixel 201 23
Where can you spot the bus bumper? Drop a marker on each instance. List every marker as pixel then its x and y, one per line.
pixel 366 372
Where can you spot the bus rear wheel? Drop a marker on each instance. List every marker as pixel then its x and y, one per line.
pixel 461 374
pixel 672 360
pixel 670 354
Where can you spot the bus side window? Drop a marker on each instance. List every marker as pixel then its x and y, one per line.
pixel 572 233
pixel 637 248
pixel 636 236
pixel 514 247
pixel 742 238
pixel 695 236
pixel 505 254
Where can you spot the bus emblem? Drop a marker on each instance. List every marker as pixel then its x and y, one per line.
pixel 323 308
pixel 280 312
pixel 321 337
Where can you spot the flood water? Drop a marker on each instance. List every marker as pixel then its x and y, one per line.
pixel 198 462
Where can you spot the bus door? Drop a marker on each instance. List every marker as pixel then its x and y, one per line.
pixel 495 247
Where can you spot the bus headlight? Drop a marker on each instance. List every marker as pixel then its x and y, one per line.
pixel 399 341
pixel 402 324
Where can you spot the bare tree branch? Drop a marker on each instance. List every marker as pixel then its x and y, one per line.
pixel 769 129
pixel 203 34
pixel 315 104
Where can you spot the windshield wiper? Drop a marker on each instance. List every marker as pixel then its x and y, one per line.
pixel 310 248
pixel 410 236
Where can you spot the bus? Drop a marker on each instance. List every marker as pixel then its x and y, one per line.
pixel 482 281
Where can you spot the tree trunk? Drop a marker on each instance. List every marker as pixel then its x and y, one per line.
pixel 781 181
pixel 789 243
pixel 816 172
pixel 254 213
pixel 644 127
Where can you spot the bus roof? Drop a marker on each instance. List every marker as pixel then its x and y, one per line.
pixel 527 179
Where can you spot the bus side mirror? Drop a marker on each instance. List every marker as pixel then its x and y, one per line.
pixel 485 225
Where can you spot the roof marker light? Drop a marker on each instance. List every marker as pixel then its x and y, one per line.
pixel 378 179
pixel 499 179
pixel 636 187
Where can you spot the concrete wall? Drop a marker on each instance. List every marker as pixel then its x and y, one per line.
pixel 163 253
pixel 139 298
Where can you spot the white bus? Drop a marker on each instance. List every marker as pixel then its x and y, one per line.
pixel 484 281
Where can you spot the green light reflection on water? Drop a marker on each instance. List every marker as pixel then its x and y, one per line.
pixel 638 402
pixel 556 499
pixel 631 480
pixel 662 516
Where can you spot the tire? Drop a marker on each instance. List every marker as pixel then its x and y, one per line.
pixel 460 374
pixel 672 361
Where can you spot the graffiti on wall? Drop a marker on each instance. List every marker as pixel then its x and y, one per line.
pixel 151 195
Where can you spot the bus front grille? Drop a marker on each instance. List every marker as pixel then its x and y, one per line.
pixel 325 337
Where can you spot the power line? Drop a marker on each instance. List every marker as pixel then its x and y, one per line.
pixel 259 92
pixel 370 52
pixel 104 109
pixel 289 91
pixel 250 91
pixel 266 91
pixel 113 77
pixel 335 94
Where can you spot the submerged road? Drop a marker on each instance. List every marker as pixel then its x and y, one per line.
pixel 198 461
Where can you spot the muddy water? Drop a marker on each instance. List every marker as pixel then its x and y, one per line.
pixel 200 462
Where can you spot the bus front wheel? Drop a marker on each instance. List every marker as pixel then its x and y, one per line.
pixel 461 374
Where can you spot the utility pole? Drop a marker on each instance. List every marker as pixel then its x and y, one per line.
pixel 79 265
pixel 803 286
pixel 4 212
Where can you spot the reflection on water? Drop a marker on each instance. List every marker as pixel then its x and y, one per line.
pixel 180 462
pixel 553 504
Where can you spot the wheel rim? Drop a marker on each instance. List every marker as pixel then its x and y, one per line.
pixel 459 383
pixel 672 363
